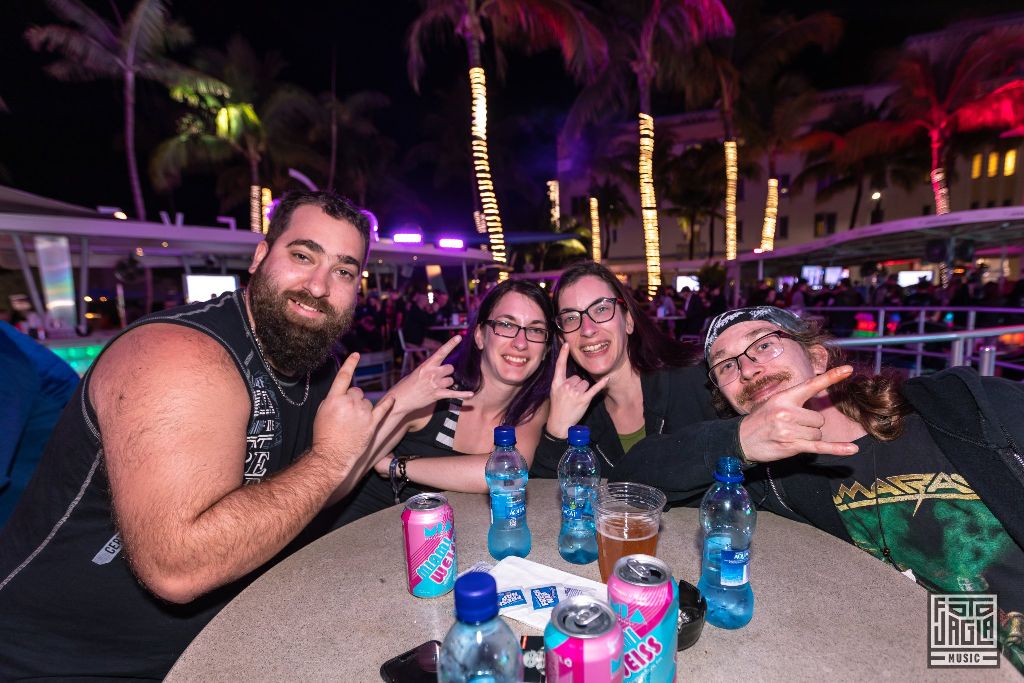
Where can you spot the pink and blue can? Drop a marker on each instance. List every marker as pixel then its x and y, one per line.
pixel 583 643
pixel 429 525
pixel 645 600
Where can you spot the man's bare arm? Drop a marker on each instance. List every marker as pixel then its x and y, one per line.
pixel 173 412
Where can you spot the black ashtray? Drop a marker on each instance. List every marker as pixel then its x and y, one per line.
pixel 692 610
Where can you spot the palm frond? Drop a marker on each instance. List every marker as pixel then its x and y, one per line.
pixel 144 36
pixel 782 39
pixel 90 56
pixel 89 23
pixel 436 23
pixel 542 24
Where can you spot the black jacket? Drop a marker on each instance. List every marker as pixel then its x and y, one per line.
pixel 676 401
pixel 977 422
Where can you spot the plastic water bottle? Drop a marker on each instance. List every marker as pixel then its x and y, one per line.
pixel 480 646
pixel 578 476
pixel 728 516
pixel 506 478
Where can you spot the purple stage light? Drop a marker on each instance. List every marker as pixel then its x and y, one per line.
pixel 451 243
pixel 407 238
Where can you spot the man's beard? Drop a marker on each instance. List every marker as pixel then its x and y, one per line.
pixel 750 390
pixel 293 346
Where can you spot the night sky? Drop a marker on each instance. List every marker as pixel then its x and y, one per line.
pixel 63 140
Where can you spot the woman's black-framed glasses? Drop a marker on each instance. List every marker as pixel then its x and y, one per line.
pixel 504 328
pixel 601 311
pixel 761 350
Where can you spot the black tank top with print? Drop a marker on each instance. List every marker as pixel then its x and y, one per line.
pixel 70 606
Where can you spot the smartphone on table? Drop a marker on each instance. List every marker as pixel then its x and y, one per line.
pixel 418 665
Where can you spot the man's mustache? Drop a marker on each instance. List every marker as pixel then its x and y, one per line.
pixel 750 390
pixel 307 299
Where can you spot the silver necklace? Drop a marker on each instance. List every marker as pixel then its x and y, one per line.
pixel 266 364
pixel 259 347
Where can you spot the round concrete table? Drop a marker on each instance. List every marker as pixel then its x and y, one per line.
pixel 339 608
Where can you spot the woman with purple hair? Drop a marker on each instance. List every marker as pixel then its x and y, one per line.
pixel 506 362
pixel 616 373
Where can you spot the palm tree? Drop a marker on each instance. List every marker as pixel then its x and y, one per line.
pixel 695 188
pixel 612 208
pixel 771 117
pixel 93 47
pixel 647 43
pixel 536 24
pixel 840 157
pixel 257 122
pixel 969 83
pixel 760 47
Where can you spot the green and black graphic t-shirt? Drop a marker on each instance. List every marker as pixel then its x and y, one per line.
pixel 906 495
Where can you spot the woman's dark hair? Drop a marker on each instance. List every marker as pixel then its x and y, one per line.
pixel 535 390
pixel 647 348
pixel 873 401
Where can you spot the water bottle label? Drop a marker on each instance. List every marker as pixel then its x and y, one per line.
pixel 510 506
pixel 575 509
pixel 734 567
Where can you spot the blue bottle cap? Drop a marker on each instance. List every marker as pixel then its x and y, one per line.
pixel 729 470
pixel 476 597
pixel 505 436
pixel 579 435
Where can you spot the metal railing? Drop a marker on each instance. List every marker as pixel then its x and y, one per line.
pixel 960 342
pixel 962 349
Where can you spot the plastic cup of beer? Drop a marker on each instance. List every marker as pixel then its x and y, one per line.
pixel 628 519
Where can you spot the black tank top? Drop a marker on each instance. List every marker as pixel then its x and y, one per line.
pixel 70 606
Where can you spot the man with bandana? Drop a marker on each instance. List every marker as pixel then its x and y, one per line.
pixel 927 474
pixel 202 444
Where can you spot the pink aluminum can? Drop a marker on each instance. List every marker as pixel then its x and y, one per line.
pixel 583 643
pixel 645 599
pixel 429 526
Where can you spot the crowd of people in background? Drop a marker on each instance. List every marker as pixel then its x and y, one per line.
pixel 683 314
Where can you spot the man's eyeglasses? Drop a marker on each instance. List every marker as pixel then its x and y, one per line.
pixel 760 351
pixel 503 328
pixel 601 311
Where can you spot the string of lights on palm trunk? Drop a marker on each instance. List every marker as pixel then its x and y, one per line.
pixel 649 205
pixel 731 178
pixel 595 231
pixel 482 166
pixel 771 214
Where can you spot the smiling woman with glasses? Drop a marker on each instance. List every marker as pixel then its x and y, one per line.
pixel 616 373
pixel 506 361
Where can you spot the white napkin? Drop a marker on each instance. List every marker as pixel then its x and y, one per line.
pixel 515 572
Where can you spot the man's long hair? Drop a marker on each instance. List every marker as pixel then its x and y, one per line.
pixel 873 401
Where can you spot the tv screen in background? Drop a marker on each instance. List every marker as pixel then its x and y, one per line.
pixel 910 278
pixel 813 274
pixel 205 287
pixel 833 274
pixel 687 281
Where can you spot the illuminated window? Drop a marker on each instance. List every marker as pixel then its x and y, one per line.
pixel 993 164
pixel 1010 162
pixel 976 167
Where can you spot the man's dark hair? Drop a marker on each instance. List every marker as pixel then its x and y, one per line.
pixel 873 401
pixel 648 348
pixel 535 390
pixel 331 203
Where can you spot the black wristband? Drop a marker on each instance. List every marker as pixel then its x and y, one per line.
pixel 551 437
pixel 739 448
pixel 396 487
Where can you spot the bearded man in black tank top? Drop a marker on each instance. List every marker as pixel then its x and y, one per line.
pixel 199 446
